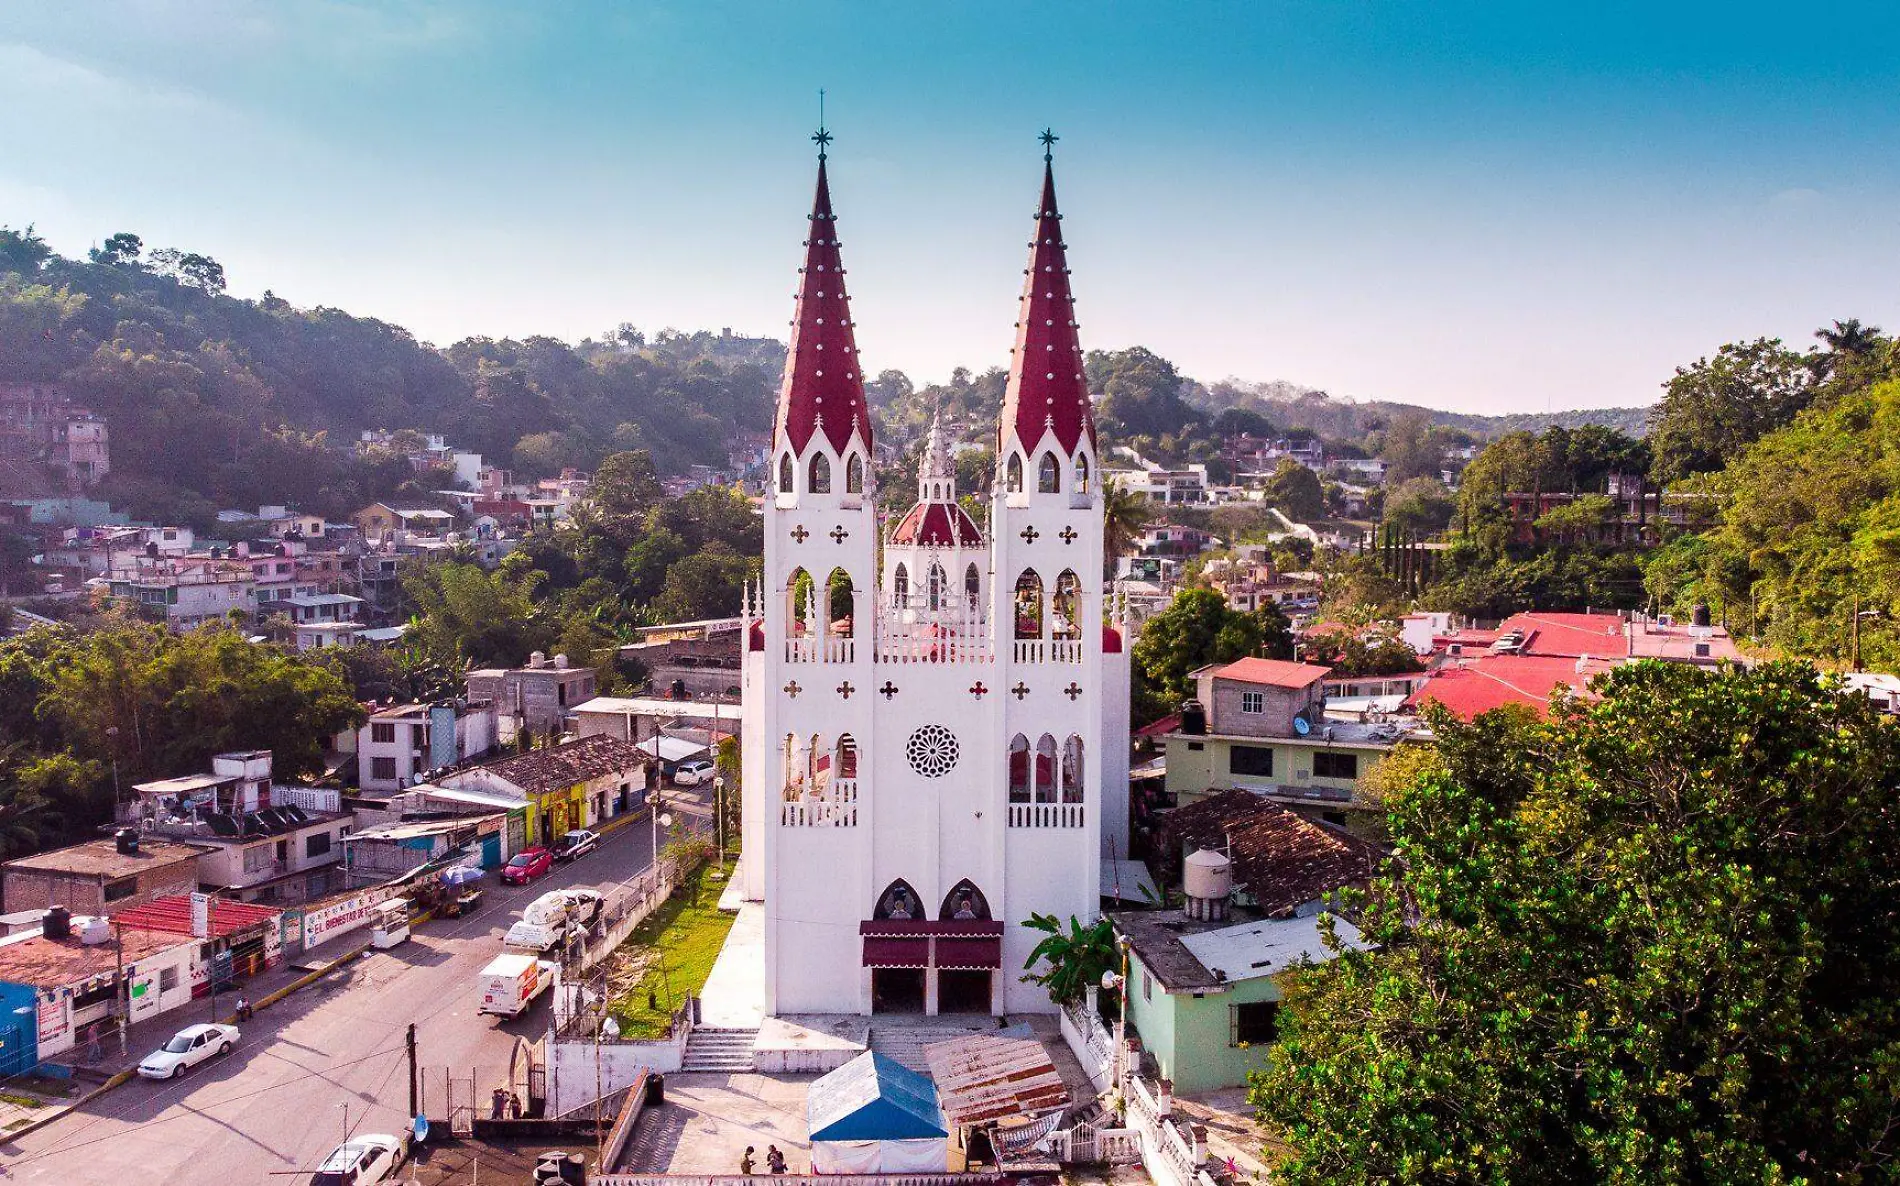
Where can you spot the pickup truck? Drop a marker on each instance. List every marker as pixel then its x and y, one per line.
pixel 510 983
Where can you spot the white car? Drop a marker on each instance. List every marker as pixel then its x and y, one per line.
pixel 692 773
pixel 187 1048
pixel 363 1160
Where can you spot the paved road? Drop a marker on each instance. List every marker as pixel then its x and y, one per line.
pixel 276 1105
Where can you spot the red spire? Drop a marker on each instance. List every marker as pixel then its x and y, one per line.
pixel 1046 390
pixel 822 381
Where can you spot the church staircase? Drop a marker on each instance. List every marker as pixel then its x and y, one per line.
pixel 720 1051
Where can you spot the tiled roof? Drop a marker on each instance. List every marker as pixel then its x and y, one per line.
pixel 173 916
pixel 1600 636
pixel 544 770
pixel 937 525
pixel 1486 682
pixel 1276 673
pixel 54 963
pixel 1283 860
pixel 102 858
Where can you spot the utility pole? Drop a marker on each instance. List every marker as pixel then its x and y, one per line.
pixel 415 1101
pixel 125 990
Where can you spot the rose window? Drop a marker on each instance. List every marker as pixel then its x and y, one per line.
pixel 932 751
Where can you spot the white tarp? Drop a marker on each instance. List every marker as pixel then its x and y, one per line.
pixel 921 1156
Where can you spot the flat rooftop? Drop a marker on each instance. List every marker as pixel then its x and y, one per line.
pixel 102 858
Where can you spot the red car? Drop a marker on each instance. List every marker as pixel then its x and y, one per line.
pixel 525 866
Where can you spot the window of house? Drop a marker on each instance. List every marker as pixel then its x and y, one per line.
pixel 382 768
pixel 382 732
pixel 124 887
pixel 1254 1023
pixel 167 979
pixel 97 994
pixel 1335 765
pixel 1147 986
pixel 1254 702
pixel 1251 760
pixel 316 845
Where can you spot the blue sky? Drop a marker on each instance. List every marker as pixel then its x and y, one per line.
pixel 1482 207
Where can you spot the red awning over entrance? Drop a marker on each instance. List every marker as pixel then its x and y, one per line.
pixel 896 953
pixel 969 953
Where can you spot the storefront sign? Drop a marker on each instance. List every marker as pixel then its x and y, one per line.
pixel 56 1023
pixel 327 922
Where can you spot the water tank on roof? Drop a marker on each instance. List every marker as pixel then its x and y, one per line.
pixel 57 923
pixel 1194 718
pixel 1207 877
pixel 1699 616
pixel 127 841
pixel 93 930
pixel 537 660
pixel 560 661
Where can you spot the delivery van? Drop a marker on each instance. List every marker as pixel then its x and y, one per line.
pixel 510 983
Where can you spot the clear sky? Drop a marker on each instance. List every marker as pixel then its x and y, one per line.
pixel 1481 207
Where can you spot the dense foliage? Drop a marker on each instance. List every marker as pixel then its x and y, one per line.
pixel 1657 940
pixel 128 701
pixel 1196 629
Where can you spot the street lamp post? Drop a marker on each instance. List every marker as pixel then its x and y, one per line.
pixel 719 818
pixel 1119 981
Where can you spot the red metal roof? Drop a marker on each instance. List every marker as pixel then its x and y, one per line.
pixel 822 383
pixel 1493 681
pixel 1601 636
pixel 1276 673
pixel 173 915
pixel 1046 389
pixel 937 525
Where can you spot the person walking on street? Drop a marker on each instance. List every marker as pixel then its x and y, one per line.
pixel 244 1008
pixel 746 1164
pixel 774 1160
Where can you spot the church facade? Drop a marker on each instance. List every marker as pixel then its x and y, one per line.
pixel 935 746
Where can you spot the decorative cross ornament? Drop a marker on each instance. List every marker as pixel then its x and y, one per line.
pixel 845 689
pixel 888 690
pixel 1073 690
pixel 800 534
pixel 792 689
pixel 1069 535
pixel 1048 139
pixel 1030 535
pixel 839 534
pixel 978 690
pixel 1020 690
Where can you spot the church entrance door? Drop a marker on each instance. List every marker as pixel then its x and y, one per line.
pixel 897 990
pixel 963 990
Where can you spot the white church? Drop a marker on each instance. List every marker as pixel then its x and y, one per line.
pixel 935 747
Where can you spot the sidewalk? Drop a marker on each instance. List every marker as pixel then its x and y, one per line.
pixel 734 996
pixel 115 1065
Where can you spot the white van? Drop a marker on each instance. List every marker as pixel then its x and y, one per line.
pixel 510 983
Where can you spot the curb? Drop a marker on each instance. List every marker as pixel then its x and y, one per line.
pixel 127 1075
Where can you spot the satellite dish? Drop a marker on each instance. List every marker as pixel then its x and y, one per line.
pixel 1301 725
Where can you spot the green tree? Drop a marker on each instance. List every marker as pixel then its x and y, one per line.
pixel 1652 941
pixel 1296 490
pixel 120 250
pixel 625 485
pixel 1072 959
pixel 476 616
pixel 706 584
pixel 1713 410
pixel 1421 505
pixel 1196 629
pixel 1126 514
pixel 22 251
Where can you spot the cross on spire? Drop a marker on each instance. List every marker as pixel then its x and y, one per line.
pixel 1048 139
pixel 821 137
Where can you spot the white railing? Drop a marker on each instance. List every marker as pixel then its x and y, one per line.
pixel 822 649
pixel 1089 1038
pixel 1045 815
pixel 1171 1158
pixel 916 644
pixel 1048 650
pixel 1088 1142
pixel 309 798
pixel 835 807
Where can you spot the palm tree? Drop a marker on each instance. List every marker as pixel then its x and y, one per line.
pixel 1850 337
pixel 1076 958
pixel 1125 515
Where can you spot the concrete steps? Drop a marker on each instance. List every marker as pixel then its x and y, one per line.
pixel 716 1050
pixel 904 1044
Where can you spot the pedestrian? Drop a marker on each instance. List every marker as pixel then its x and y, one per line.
pixel 244 1009
pixel 514 1106
pixel 774 1160
pixel 497 1104
pixel 746 1164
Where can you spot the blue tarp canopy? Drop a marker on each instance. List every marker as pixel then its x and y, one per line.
pixel 873 1098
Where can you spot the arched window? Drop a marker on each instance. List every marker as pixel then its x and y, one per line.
pixel 935 589
pixel 1081 473
pixel 798 604
pixel 854 475
pixel 1065 610
pixel 838 606
pixel 786 472
pixel 898 901
pixel 1019 769
pixel 1048 475
pixel 1073 787
pixel 900 582
pixel 965 903
pixel 972 584
pixel 1028 605
pixel 1013 474
pixel 1046 769
pixel 848 756
pixel 820 482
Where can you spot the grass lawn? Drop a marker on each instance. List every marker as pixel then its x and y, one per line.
pixel 672 954
pixel 22 1101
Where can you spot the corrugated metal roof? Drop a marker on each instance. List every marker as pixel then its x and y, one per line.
pixel 873 1098
pixel 988 1077
pixel 173 915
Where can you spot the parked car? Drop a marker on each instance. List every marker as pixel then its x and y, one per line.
pixel 187 1048
pixel 577 843
pixel 363 1160
pixel 693 772
pixel 527 865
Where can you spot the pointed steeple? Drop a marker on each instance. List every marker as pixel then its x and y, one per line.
pixel 1046 391
pixel 936 461
pixel 823 388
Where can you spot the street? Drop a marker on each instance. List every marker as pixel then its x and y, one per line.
pixel 326 1059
